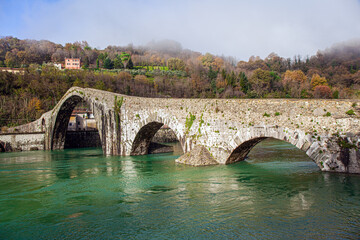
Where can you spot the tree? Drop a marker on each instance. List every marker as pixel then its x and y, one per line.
pixel 207 60
pixel 11 59
pixel 244 83
pixel 275 63
pixel 130 64
pixel 220 81
pixel 294 82
pixel 316 80
pixel 262 81
pixel 176 64
pixel 218 63
pixel 125 58
pixel 231 79
pixel 212 74
pixel 108 64
pixel 322 91
pixel 117 62
pixel 100 85
pixel 296 76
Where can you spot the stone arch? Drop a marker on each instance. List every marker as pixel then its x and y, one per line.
pixel 142 140
pixel 297 138
pixel 240 152
pixel 61 122
pixel 140 144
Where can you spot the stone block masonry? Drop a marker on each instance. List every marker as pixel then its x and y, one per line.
pixel 11 142
pixel 227 128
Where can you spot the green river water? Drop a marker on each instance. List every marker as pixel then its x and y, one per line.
pixel 277 193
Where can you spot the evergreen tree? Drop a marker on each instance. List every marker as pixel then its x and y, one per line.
pixel 244 83
pixel 108 64
pixel 117 62
pixel 212 74
pixel 130 64
pixel 231 79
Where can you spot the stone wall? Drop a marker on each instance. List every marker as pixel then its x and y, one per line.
pixel 12 142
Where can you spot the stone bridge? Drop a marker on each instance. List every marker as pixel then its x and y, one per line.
pixel 226 128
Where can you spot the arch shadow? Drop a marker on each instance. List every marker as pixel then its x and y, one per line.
pixel 240 152
pixel 60 127
pixel 142 142
pixel 2 147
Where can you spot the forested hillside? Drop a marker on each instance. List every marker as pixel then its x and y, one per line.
pixel 164 69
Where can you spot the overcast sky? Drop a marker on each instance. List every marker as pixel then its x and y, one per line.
pixel 231 27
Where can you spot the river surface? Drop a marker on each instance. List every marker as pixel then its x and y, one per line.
pixel 277 193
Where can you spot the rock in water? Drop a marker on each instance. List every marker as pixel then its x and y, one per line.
pixel 199 156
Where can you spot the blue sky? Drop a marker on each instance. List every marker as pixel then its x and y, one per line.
pixel 231 27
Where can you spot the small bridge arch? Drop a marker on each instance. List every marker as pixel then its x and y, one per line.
pixel 146 130
pixel 240 153
pixel 306 142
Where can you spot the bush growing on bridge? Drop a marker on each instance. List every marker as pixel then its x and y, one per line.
pixel 117 107
pixel 350 112
pixel 189 122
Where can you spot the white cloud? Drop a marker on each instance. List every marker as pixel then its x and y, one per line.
pixel 229 27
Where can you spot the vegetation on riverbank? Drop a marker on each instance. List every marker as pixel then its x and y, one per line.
pixel 157 71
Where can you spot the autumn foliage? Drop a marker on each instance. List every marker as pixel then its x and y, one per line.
pixel 158 71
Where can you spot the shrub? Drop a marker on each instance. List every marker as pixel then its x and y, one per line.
pixel 350 112
pixel 322 91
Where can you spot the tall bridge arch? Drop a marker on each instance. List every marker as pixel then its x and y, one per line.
pixel 62 121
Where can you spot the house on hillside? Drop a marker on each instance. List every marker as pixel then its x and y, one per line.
pixel 72 63
pixel 82 120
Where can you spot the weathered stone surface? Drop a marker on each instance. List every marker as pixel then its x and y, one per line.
pixel 220 125
pixel 199 156
pixel 320 111
pixel 13 142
